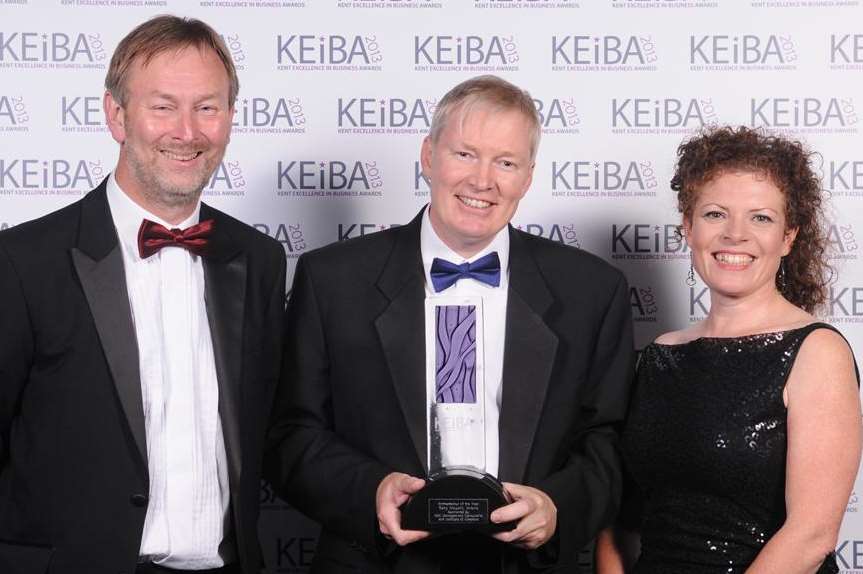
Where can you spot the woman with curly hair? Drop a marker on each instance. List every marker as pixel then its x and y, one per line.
pixel 743 437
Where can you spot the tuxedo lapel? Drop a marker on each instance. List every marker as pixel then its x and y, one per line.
pixel 98 262
pixel 401 331
pixel 225 296
pixel 529 353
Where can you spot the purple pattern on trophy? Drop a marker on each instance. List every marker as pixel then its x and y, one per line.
pixel 455 354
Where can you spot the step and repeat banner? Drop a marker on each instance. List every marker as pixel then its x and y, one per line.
pixel 336 97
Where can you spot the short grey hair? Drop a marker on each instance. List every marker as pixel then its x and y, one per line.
pixel 490 91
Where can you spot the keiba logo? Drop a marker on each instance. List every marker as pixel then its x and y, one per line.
pixel 235 48
pixel 843 178
pixel 308 52
pixel 846 51
pixel 509 4
pixel 642 4
pixel 563 233
pixel 849 556
pixel 352 230
pixel 643 303
pixel 819 115
pixel 14 115
pixel 227 180
pixel 843 242
pixel 49 177
pixel 608 178
pixel 699 303
pixel 558 115
pixel 785 4
pixel 845 304
pixel 603 53
pixel 647 241
pixel 421 188
pixel 385 115
pixel 712 52
pixel 390 4
pixel 115 3
pixel 82 114
pixel 263 115
pixel 663 116
pixel 465 53
pixel 852 503
pixel 293 554
pixel 310 178
pixel 290 235
pixel 247 4
pixel 53 50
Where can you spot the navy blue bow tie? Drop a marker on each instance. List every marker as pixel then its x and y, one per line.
pixel 445 273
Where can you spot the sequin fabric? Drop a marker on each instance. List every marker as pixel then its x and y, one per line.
pixel 705 445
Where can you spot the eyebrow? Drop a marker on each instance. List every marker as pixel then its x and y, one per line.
pixel 506 153
pixel 171 97
pixel 770 209
pixel 720 206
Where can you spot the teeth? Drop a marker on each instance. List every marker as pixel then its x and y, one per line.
pixel 478 203
pixel 179 156
pixel 734 259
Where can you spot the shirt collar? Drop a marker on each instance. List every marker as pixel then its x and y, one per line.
pixel 431 246
pixel 128 215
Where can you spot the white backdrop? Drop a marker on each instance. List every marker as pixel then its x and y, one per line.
pixel 337 95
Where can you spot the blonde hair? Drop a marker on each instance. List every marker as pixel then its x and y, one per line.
pixel 490 91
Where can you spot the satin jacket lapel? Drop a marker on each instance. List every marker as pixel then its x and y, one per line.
pixel 400 328
pixel 529 353
pixel 98 261
pixel 225 295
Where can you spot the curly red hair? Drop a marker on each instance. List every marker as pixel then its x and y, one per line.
pixel 787 163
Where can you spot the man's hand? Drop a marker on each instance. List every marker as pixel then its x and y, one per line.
pixel 393 491
pixel 536 515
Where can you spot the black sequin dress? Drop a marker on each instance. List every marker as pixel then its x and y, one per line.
pixel 705 445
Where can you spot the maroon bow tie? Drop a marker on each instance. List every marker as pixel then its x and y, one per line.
pixel 152 237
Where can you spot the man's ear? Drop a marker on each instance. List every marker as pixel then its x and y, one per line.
pixel 426 156
pixel 115 117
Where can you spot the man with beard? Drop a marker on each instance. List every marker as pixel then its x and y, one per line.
pixel 140 333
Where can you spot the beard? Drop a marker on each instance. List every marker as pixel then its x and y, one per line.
pixel 161 186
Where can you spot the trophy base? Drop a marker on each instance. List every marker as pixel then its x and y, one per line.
pixel 457 499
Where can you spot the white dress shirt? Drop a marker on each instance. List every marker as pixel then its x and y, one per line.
pixel 189 496
pixel 494 320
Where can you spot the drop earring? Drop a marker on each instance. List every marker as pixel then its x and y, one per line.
pixel 781 275
pixel 690 277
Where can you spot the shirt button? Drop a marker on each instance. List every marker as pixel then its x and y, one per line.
pixel 139 500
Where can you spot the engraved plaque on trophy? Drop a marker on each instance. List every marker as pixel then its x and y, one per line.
pixel 459 495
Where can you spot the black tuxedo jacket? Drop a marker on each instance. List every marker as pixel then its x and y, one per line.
pixel 73 453
pixel 351 407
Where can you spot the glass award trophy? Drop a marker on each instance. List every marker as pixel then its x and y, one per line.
pixel 459 495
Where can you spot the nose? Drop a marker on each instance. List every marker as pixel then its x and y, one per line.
pixel 186 126
pixel 483 175
pixel 735 230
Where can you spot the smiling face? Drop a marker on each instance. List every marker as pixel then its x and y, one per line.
pixel 173 129
pixel 478 169
pixel 737 233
